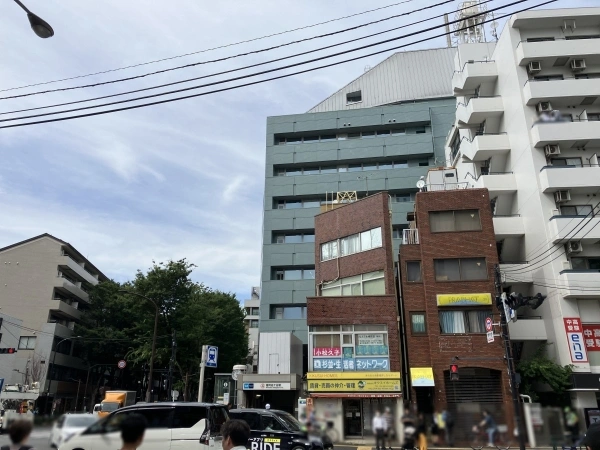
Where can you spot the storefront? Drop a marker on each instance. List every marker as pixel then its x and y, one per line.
pixel 351 399
pixel 280 391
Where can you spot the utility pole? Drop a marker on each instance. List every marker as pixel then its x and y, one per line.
pixel 172 362
pixel 202 367
pixel 509 356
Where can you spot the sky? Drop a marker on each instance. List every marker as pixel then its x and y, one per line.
pixel 179 180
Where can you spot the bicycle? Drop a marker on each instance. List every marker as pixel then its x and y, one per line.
pixel 480 438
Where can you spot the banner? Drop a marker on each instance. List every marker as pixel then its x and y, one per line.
pixel 355 385
pixel 421 376
pixel 464 299
pixel 373 363
pixel 352 375
pixel 591 334
pixel 327 351
pixel 575 339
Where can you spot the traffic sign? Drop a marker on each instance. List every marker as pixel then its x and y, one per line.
pixel 212 356
pixel 490 337
pixel 489 326
pixel 1 383
pixel 122 364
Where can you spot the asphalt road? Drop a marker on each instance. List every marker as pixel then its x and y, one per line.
pixel 38 439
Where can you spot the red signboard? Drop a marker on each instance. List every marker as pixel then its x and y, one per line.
pixel 577 346
pixel 591 337
pixel 327 351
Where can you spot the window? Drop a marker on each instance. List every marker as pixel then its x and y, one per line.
pixel 539 39
pixel 254 311
pixel 329 250
pixel 583 210
pixel 585 263
pixel 372 283
pixel 420 130
pixel 251 418
pixel 293 238
pixel 288 312
pixel 402 198
pixel 417 323
pixel 413 271
pixel 354 97
pixel 575 162
pixel 398 132
pixel 464 269
pixel 157 417
pixel 188 416
pixel 295 204
pixel 293 274
pixel 548 78
pixel 349 245
pixel 27 343
pixel 593 117
pixel 457 322
pixel 461 220
pixel 253 323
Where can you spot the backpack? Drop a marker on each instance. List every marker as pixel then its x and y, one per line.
pixel 449 420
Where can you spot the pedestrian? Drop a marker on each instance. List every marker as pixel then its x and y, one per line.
pixel 591 440
pixel 379 427
pixel 19 432
pixel 572 424
pixel 229 406
pixel 389 420
pixel 438 420
pixel 235 434
pixel 133 428
pixel 448 420
pixel 422 432
pixel 490 426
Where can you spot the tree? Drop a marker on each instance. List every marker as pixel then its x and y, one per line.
pixel 539 370
pixel 38 368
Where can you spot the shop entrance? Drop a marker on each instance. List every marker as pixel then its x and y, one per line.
pixel 359 413
pixel 352 417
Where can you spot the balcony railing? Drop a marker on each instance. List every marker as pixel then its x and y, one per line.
pixel 68 278
pixel 410 236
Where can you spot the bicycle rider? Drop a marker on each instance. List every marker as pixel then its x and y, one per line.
pixel 490 426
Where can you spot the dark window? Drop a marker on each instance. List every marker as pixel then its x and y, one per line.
pixel 271 423
pixel 157 417
pixel 188 416
pixel 354 97
pixel 548 77
pixel 459 322
pixel 585 263
pixel 461 220
pixel 540 39
pixel 465 269
pixel 288 312
pixel 253 323
pixel 218 416
pixel 251 418
pixel 583 210
pixel 585 36
pixel 574 162
pixel 417 323
pixel 413 271
pixel 112 423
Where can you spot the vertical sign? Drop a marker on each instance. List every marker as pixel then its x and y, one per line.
pixel 213 353
pixel 575 339
pixel 489 329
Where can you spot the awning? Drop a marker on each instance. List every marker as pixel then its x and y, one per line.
pixel 353 395
pixel 421 376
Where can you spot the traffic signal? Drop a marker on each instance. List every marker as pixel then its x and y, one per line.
pixel 4 351
pixel 453 372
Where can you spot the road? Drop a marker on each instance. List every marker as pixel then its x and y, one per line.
pixel 38 439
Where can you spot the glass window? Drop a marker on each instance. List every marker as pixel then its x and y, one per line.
pixel 326 340
pixel 253 323
pixel 420 130
pixel 294 312
pixel 417 323
pixel 562 162
pixel 293 275
pixel 452 322
pixel 311 171
pixel 583 210
pixel 27 343
pixel 328 137
pixel 401 164
pixel 440 221
pixel 383 133
pixel 218 416
pixel 374 287
pixel 467 220
pixel 353 135
pixel 368 134
pixel 413 271
pixel 308 139
pixel 347 339
pixel 385 166
pixel 423 163
pixel 293 239
pixel 329 169
pixel 308 238
pixel 188 416
pixel 477 321
pixel 370 166
pixel 350 245
pixel 311 203
pixel 331 291
pixel 578 263
pixel 308 274
pixel 157 417
pixel 473 269
pixel 293 140
pixel 401 198
pixel 460 220
pixel 353 97
pixel 446 270
pixel 329 250
pixel 398 132
pixel 354 167
pixel 293 204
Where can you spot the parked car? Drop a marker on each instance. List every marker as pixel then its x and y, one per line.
pixel 278 428
pixel 68 425
pixel 171 426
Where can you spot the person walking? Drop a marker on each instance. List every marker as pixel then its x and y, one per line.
pixel 133 428
pixel 421 432
pixel 448 420
pixel 19 432
pixel 379 427
pixel 572 424
pixel 235 434
pixel 389 420
pixel 439 427
pixel 489 424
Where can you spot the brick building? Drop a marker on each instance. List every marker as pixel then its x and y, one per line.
pixel 353 339
pixel 447 265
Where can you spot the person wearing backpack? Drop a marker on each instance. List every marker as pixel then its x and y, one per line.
pixel 19 432
pixel 449 422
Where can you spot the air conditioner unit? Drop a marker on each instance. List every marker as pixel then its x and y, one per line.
pixel 574 247
pixel 552 150
pixel 562 196
pixel 577 65
pixel 544 107
pixel 534 67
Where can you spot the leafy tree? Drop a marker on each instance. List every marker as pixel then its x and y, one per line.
pixel 540 369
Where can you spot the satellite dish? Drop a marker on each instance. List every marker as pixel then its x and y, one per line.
pixel 421 184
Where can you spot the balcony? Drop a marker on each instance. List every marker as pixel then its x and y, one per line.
pixel 549 51
pixel 72 286
pixel 67 261
pixel 528 329
pixel 581 179
pixel 498 183
pixel 580 133
pixel 484 146
pixel 580 284
pixel 516 273
pixel 560 92
pixel 508 226
pixel 576 228
pixel 410 236
pixel 473 74
pixel 478 109
pixel 64 310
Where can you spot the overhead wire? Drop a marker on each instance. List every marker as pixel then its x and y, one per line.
pixel 173 83
pixel 262 50
pixel 208 49
pixel 254 82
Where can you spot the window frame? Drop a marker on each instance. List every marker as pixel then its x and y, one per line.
pixel 454 211
pixel 411 314
pixel 352 281
pixel 420 280
pixel 460 269
pixel 27 347
pixel 466 321
pixel 338 244
pixel 273 311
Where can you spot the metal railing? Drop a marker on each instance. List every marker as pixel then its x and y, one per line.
pixel 410 236
pixel 552 39
pixel 473 62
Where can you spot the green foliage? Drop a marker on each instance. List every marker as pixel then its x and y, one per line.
pixel 540 369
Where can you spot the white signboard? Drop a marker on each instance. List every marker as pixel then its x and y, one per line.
pixel 490 337
pixel 370 339
pixel 267 386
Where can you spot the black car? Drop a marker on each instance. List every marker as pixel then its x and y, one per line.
pixel 272 429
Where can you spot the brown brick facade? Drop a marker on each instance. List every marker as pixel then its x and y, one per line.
pixel 434 349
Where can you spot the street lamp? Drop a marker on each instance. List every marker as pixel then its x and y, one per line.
pixel 38 25
pixel 150 378
pixel 54 357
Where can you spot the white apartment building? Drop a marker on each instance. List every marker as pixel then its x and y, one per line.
pixel 252 309
pixel 527 128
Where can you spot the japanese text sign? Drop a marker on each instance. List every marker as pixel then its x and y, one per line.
pixel 591 336
pixel 327 351
pixel 355 386
pixel 575 339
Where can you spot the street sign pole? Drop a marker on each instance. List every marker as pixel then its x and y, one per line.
pixel 202 367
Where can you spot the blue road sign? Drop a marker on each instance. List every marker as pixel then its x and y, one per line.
pixel 248 386
pixel 1 384
pixel 212 356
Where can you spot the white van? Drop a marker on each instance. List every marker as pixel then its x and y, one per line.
pixel 171 426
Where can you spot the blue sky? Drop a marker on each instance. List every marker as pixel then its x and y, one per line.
pixel 183 179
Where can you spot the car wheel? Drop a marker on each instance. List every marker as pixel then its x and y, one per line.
pixel 298 448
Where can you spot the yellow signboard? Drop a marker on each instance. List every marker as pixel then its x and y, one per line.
pixel 351 375
pixel 421 376
pixel 355 385
pixel 464 299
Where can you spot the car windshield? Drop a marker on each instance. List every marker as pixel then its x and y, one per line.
pixel 110 406
pixel 290 421
pixel 80 421
pixel 219 417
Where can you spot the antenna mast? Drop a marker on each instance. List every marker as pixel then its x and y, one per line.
pixel 470 29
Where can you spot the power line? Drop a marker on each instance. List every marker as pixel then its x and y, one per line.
pixel 556 286
pixel 208 49
pixel 225 58
pixel 250 83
